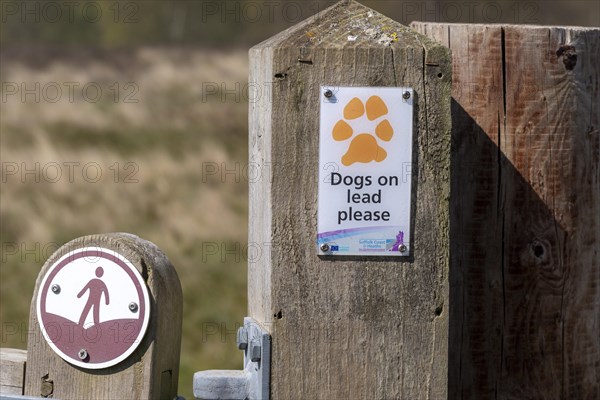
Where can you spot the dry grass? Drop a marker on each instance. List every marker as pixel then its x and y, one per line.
pixel 166 136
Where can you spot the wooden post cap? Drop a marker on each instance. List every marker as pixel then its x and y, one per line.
pixel 105 322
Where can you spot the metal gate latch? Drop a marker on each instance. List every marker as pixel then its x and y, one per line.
pixel 250 383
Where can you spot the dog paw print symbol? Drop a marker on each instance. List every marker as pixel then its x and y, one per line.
pixel 364 147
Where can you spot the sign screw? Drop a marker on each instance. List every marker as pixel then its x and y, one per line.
pixel 325 247
pixel 328 94
pixel 242 338
pixel 406 95
pixel 133 307
pixel 55 289
pixel 82 354
pixel 402 248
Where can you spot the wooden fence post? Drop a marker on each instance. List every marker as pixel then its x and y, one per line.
pixel 12 370
pixel 352 327
pixel 128 345
pixel 525 271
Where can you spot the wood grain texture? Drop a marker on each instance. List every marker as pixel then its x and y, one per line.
pixel 348 328
pixel 143 374
pixel 525 272
pixel 12 370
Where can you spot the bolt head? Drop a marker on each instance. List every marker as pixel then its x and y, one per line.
pixel 406 95
pixel 254 351
pixel 55 289
pixel 328 94
pixel 402 248
pixel 324 247
pixel 82 354
pixel 242 338
pixel 133 307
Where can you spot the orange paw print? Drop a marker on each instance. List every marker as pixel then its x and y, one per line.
pixel 364 147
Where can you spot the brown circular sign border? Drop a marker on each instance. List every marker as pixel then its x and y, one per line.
pixel 71 341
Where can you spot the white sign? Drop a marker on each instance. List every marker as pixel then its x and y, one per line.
pixel 365 171
pixel 93 307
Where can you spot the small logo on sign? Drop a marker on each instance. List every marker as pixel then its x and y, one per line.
pixel 364 147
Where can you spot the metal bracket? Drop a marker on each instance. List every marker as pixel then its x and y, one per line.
pixel 250 383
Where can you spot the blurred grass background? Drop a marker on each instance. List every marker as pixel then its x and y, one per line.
pixel 162 194
pixel 169 57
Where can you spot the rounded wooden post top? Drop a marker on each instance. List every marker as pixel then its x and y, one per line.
pixel 100 304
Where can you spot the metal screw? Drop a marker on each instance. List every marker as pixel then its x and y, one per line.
pixel 82 354
pixel 133 307
pixel 242 338
pixel 328 94
pixel 402 248
pixel 254 351
pixel 55 289
pixel 406 95
pixel 325 247
pixel 47 386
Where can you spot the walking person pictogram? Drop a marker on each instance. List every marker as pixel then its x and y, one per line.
pixel 96 287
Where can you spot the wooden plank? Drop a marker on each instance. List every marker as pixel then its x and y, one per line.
pixel 527 323
pixel 152 370
pixel 476 288
pixel 12 370
pixel 347 328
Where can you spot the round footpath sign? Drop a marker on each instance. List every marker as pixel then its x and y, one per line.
pixel 93 307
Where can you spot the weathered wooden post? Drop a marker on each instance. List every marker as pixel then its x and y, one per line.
pixel 105 322
pixel 525 272
pixel 345 323
pixel 12 370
